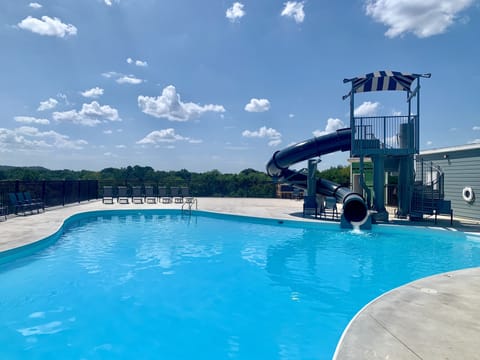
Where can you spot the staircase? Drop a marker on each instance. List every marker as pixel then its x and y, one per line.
pixel 428 196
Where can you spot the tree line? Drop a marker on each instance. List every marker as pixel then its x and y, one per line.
pixel 247 183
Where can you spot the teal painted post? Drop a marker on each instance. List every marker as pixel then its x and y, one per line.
pixel 311 180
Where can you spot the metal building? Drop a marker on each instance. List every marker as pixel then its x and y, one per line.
pixel 458 172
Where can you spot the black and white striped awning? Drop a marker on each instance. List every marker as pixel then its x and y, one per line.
pixel 383 81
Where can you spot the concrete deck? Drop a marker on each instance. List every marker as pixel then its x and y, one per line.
pixel 432 318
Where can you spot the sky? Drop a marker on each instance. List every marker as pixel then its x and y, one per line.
pixel 215 84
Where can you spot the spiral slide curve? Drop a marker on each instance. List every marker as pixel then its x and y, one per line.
pixel 354 206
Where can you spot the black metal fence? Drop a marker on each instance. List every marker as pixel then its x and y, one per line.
pixel 52 192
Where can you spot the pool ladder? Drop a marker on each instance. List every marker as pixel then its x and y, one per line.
pixel 188 204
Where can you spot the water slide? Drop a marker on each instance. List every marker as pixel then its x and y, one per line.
pixel 354 207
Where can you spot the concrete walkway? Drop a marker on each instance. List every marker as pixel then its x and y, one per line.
pixel 432 318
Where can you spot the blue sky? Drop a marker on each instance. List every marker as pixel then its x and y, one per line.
pixel 202 85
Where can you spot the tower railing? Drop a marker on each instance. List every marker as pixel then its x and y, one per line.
pixel 389 135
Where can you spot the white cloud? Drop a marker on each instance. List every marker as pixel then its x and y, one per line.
pixel 273 135
pixel 137 62
pixel 122 78
pixel 429 142
pixel 257 105
pixel 110 2
pixel 291 116
pixel 422 18
pixel 111 74
pixel 47 104
pixel 332 125
pixel 47 26
pixel 475 141
pixel 169 106
pixel 93 92
pixel 235 12
pixel 294 9
pixel 476 128
pixel 31 120
pixel 30 138
pixel 91 114
pixel 165 136
pixel 368 108
pixel 129 79
pixel 108 132
pixel 64 98
pixel 35 5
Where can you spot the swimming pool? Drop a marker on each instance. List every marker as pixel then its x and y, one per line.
pixel 156 284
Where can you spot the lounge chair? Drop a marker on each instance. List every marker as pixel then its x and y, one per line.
pixel 149 196
pixel 175 192
pixel 17 205
pixel 34 202
pixel 3 211
pixel 107 195
pixel 30 204
pixel 122 195
pixel 137 196
pixel 310 205
pixel 162 195
pixel 186 194
pixel 329 206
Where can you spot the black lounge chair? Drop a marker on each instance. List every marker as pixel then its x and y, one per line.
pixel 175 192
pixel 186 194
pixel 137 196
pixel 31 205
pixel 107 195
pixel 310 205
pixel 149 195
pixel 36 203
pixel 162 195
pixel 329 206
pixel 122 195
pixel 3 211
pixel 17 205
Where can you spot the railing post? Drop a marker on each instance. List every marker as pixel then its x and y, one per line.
pixel 44 194
pixel 384 133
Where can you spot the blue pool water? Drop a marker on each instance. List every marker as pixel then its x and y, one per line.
pixel 158 285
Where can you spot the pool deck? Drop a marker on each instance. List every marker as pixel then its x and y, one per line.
pixel 432 318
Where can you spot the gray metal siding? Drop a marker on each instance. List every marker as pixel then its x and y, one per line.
pixel 461 169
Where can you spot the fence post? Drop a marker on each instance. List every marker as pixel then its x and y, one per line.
pixel 63 192
pixel 44 192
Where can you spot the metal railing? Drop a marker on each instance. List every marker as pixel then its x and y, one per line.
pixel 390 135
pixel 428 193
pixel 51 192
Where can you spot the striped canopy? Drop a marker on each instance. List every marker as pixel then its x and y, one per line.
pixel 383 81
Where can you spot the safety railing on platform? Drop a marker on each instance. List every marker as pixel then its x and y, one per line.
pixel 390 135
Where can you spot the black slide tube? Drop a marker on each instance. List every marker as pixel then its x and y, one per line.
pixel 354 207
